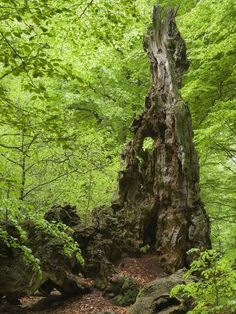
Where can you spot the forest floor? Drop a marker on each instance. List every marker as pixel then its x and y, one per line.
pixel 142 269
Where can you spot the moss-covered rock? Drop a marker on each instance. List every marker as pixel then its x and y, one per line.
pixel 123 290
pixel 66 214
pixel 59 263
pixel 19 270
pixel 155 297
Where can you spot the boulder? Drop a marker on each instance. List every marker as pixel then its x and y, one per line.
pixel 100 246
pixel 18 275
pixel 123 290
pixel 66 214
pixel 59 269
pixel 155 297
pixel 11 309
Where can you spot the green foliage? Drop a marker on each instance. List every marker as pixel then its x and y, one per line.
pixel 148 143
pixel 144 248
pixel 64 234
pixel 214 290
pixel 209 88
pixel 64 120
pixel 73 75
pixel 18 240
pixel 18 244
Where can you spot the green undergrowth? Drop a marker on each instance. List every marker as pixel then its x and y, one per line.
pixel 214 290
pixel 14 234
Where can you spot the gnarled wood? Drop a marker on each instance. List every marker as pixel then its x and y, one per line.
pixel 159 187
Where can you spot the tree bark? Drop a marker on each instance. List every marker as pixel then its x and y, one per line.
pixel 158 193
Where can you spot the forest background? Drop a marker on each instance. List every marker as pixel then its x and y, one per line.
pixel 73 77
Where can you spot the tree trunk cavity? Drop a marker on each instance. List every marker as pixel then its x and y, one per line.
pixel 158 192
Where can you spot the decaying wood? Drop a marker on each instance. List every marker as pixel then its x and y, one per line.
pixel 159 187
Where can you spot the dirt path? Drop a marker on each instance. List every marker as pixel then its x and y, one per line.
pixel 143 270
pixel 92 303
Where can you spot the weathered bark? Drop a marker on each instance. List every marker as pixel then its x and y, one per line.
pixel 158 193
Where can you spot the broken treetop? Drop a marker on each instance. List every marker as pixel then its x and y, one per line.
pixel 159 187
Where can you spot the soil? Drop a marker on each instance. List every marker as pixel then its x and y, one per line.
pixel 143 269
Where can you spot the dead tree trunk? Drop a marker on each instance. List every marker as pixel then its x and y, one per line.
pixel 158 193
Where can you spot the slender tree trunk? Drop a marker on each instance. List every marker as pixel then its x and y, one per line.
pixel 158 193
pixel 23 167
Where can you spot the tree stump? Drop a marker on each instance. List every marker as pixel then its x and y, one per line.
pixel 158 193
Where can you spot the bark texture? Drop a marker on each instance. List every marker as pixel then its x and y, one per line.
pixel 158 194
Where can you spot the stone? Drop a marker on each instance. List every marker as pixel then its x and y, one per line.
pixel 18 276
pixel 65 214
pixel 122 290
pixel 155 297
pixel 11 309
pixel 60 271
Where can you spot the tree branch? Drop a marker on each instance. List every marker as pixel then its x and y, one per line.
pixel 11 160
pixel 48 182
pixel 11 147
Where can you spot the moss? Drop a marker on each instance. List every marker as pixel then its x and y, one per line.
pixel 123 291
pixel 101 283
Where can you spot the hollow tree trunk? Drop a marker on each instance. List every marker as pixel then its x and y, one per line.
pixel 158 193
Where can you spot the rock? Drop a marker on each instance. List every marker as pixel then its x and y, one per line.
pixel 84 235
pixel 59 269
pixel 100 252
pixel 122 290
pixel 105 220
pixel 18 276
pixel 155 297
pixel 66 214
pixel 94 251
pixel 46 288
pixel 11 309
